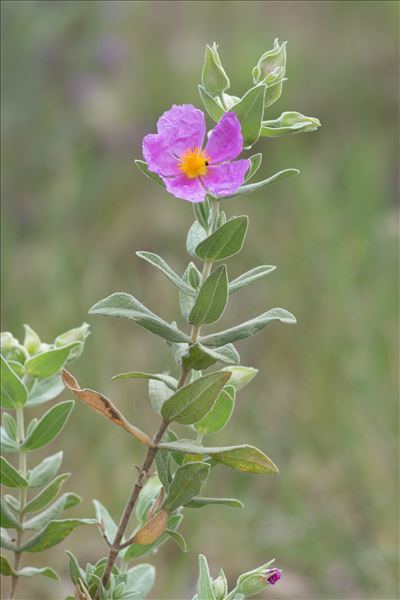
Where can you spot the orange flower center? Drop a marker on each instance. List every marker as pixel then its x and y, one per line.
pixel 194 162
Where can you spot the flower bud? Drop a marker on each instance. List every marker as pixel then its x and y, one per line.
pixel 11 349
pixel 254 582
pixel 31 340
pixel 213 76
pixel 289 122
pixel 220 586
pixel 270 70
pixel 78 334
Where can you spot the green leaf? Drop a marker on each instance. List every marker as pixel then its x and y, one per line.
pixel 49 363
pixel 53 534
pixel 169 381
pixel 249 277
pixel 289 122
pixel 33 571
pixel 31 426
pixel 195 236
pixel 5 567
pixel 205 589
pixel 135 550
pixel 6 542
pixel 160 264
pixel 186 302
pixel 191 402
pixel 250 110
pixel 212 106
pixel 226 241
pixel 8 520
pixel 212 298
pixel 147 497
pixel 46 495
pixel 213 76
pixel 240 375
pixel 199 357
pixel 125 305
pixel 105 520
pixel 255 163
pixel 6 443
pixel 49 426
pixel 32 341
pixel 9 476
pixel 159 393
pixel 199 502
pixel 202 213
pixel 75 571
pixel 220 414
pixel 242 458
pixel 178 539
pixel 44 471
pixel 145 170
pixel 45 390
pixel 54 511
pixel 259 185
pixel 163 465
pixel 248 328
pixel 10 426
pixel 187 482
pixel 139 581
pixel 13 391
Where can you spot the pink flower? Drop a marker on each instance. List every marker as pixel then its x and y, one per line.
pixel 274 576
pixel 175 153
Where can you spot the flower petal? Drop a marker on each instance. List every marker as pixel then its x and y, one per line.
pixel 156 152
pixel 226 140
pixel 226 179
pixel 185 188
pixel 183 127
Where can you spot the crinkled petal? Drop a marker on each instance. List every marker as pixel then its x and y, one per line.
pixel 183 127
pixel 226 140
pixel 185 188
pixel 156 152
pixel 226 179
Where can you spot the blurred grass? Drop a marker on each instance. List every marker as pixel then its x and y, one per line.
pixel 82 82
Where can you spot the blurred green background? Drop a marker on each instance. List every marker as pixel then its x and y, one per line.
pixel 82 83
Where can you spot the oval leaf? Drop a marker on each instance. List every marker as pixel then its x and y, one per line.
pixel 170 274
pixel 53 534
pixel 10 477
pixel 192 402
pixel 48 363
pixel 205 589
pixel 226 241
pixel 152 530
pixel 45 390
pixel 13 391
pixel 249 276
pixel 45 470
pixel 199 502
pixel 49 426
pixel 167 379
pixel 211 299
pixel 254 187
pixel 220 414
pixel 46 495
pixel 199 357
pixel 187 483
pixel 248 328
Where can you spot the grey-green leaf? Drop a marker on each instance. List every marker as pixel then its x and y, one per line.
pixel 170 274
pixel 163 465
pixel 159 393
pixel 199 502
pixel 13 391
pixel 259 185
pixel 46 495
pixel 142 166
pixel 240 375
pixel 190 403
pixel 49 426
pixel 44 471
pixel 105 521
pixel 186 302
pixel 211 104
pixel 5 541
pixel 45 390
pixel 289 122
pixel 53 534
pixel 139 581
pixel 249 277
pixel 250 110
pixel 33 571
pixel 218 417
pixel 167 379
pixel 188 481
pixel 199 357
pixel 211 299
pixel 10 426
pixel 255 163
pixel 205 589
pixel 9 476
pixel 242 458
pixel 195 236
pixel 125 305
pixel 178 539
pixel 7 517
pixel 48 363
pixel 226 241
pixel 7 444
pixel 54 511
pixel 248 328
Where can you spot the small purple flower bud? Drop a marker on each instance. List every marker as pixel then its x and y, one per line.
pixel 274 576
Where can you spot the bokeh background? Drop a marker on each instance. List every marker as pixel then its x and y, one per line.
pixel 83 82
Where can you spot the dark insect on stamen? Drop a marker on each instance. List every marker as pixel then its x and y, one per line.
pixel 206 163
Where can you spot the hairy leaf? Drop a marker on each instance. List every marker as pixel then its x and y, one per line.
pixel 226 241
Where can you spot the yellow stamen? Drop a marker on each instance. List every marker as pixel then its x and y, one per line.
pixel 194 162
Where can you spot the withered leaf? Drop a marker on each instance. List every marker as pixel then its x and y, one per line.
pixel 151 531
pixel 104 406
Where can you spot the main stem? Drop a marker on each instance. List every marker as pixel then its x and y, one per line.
pixel 151 452
pixel 22 497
